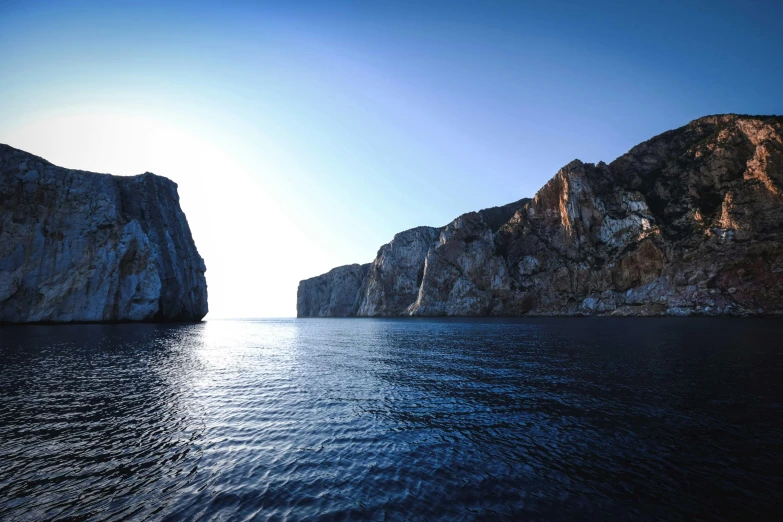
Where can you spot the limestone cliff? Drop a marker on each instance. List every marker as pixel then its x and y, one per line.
pixel 689 222
pixel 80 246
pixel 395 276
pixel 333 294
pixel 391 283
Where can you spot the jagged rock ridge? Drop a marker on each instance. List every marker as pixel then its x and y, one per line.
pixel 80 246
pixel 689 222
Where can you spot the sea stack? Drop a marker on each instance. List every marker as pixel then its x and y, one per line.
pixel 687 223
pixel 77 246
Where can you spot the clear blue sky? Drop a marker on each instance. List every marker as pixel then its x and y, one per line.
pixel 303 135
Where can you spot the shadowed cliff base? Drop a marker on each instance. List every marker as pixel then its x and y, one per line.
pixel 687 223
pixel 77 246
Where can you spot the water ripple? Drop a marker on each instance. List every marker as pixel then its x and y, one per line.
pixel 392 420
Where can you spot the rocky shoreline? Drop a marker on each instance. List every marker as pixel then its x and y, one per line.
pixel 687 223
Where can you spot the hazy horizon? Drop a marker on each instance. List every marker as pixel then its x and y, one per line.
pixel 304 137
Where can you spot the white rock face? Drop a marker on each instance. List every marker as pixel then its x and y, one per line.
pixel 79 246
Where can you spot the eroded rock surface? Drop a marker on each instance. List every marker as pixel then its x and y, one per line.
pixel 395 275
pixel 333 294
pixel 689 222
pixel 392 283
pixel 80 246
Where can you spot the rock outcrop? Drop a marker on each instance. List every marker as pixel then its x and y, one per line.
pixel 395 275
pixel 392 282
pixel 77 246
pixel 333 294
pixel 687 223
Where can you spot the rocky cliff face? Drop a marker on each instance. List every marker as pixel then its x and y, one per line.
pixel 689 222
pixel 395 275
pixel 333 294
pixel 79 246
pixel 391 284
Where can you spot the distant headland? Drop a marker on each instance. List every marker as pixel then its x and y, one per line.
pixel 687 223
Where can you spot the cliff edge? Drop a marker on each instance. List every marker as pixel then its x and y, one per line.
pixel 687 223
pixel 77 246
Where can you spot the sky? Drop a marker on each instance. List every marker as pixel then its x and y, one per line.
pixel 304 135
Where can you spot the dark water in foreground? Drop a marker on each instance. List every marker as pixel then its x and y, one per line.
pixel 393 419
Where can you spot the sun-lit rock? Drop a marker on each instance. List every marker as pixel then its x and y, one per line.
pixel 687 223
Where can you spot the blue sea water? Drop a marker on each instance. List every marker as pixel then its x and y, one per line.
pixel 431 419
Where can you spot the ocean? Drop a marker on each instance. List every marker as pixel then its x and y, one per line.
pixel 393 419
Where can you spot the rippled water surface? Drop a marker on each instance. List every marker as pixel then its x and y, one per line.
pixel 393 419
